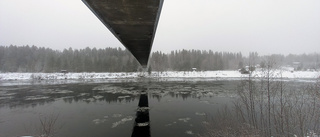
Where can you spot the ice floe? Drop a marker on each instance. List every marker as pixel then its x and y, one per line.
pixel 98 97
pixel 189 132
pixel 38 97
pixel 115 124
pixel 170 124
pixel 122 121
pixel 116 90
pixel 99 121
pixel 7 94
pixel 64 91
pixel 184 119
pixel 200 114
pixel 117 115
pixel 143 109
pixel 6 97
pixel 123 97
pixel 83 94
pixel 89 99
pixel 143 124
pixel 157 92
pixel 93 98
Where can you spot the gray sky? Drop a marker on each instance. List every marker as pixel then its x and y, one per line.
pixel 265 26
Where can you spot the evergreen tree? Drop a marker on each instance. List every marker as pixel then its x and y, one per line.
pixel 34 59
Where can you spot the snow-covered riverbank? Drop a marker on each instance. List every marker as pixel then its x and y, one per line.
pixel 166 74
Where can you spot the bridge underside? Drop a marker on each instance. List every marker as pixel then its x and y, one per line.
pixel 133 22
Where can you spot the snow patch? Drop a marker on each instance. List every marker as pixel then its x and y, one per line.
pixel 286 73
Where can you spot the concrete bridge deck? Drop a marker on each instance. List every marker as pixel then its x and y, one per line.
pixel 133 22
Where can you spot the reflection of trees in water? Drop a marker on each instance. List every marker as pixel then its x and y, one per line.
pixel 191 90
pixel 99 97
pixel 32 96
pixel 47 126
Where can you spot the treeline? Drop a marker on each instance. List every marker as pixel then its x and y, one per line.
pixel 185 60
pixel 203 60
pixel 39 59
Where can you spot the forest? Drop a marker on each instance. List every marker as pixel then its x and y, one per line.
pixel 39 59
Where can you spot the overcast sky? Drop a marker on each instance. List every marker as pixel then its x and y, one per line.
pixel 265 26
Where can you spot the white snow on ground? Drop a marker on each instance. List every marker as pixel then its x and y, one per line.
pixel 166 74
pixel 53 76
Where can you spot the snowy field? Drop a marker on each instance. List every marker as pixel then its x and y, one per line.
pixel 166 74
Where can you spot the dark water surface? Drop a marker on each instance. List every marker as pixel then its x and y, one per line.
pixel 113 109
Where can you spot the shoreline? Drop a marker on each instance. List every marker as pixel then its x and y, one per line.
pixel 164 74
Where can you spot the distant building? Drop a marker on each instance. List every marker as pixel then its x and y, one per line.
pixel 194 69
pixel 258 66
pixel 297 65
pixel 244 71
pixel 64 71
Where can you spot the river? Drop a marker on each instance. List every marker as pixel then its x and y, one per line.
pixel 117 108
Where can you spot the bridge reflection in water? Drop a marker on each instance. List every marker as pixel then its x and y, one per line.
pixel 142 122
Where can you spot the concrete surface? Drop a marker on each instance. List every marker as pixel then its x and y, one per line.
pixel 133 22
